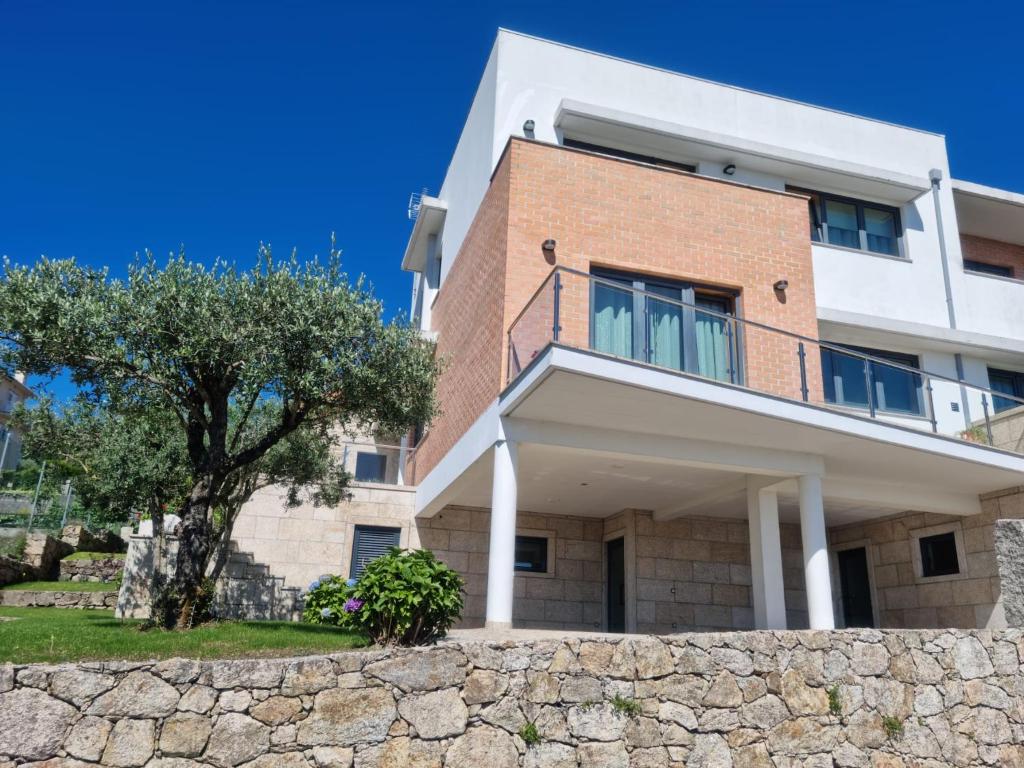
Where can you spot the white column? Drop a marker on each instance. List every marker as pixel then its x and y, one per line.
pixel 766 557
pixel 501 556
pixel 815 542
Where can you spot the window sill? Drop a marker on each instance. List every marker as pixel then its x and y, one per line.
pixel 831 247
pixel 1015 280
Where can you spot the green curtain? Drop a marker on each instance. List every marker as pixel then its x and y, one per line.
pixel 613 321
pixel 712 342
pixel 664 334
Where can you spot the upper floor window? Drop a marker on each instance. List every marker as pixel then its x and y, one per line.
pixel 850 379
pixel 970 265
pixel 1009 383
pixel 371 467
pixel 626 155
pixel 665 323
pixel 851 223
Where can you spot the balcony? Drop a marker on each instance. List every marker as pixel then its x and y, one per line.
pixel 703 341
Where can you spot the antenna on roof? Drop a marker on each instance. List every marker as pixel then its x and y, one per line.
pixel 415 200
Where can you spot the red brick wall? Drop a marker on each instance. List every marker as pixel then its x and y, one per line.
pixel 468 319
pixel 622 215
pixel 994 252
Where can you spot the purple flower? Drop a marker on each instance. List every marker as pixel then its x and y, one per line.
pixel 352 605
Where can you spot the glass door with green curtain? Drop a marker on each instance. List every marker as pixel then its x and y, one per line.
pixel 664 327
pixel 611 324
pixel 716 351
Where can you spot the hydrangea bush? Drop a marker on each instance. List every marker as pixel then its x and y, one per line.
pixel 402 598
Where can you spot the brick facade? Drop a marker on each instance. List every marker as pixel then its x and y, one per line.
pixel 994 252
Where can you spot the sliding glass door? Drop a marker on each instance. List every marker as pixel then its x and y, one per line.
pixel 663 323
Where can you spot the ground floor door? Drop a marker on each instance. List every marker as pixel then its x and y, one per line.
pixel 856 587
pixel 616 598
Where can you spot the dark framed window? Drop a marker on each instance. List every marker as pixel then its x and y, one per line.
pixel 970 265
pixel 371 467
pixel 667 323
pixel 893 390
pixel 852 223
pixel 625 155
pixel 370 542
pixel 938 555
pixel 532 554
pixel 1009 383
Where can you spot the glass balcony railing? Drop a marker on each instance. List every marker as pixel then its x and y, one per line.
pixel 702 339
pixel 370 462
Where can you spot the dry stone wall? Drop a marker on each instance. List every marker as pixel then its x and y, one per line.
pixel 106 569
pixel 871 699
pixel 32 598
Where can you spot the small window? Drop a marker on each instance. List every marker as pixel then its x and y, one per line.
pixel 856 224
pixel 1009 383
pixel 531 554
pixel 938 555
pixel 370 542
pixel 894 389
pixel 371 467
pixel 970 265
pixel 625 155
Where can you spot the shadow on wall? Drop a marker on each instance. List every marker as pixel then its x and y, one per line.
pixel 246 589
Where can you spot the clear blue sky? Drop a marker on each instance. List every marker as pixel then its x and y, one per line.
pixel 126 126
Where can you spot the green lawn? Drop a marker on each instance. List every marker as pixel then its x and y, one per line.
pixel 63 586
pixel 56 634
pixel 95 556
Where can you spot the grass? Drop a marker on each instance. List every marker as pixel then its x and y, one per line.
pixel 56 634
pixel 624 706
pixel 529 734
pixel 95 556
pixel 893 726
pixel 835 705
pixel 62 586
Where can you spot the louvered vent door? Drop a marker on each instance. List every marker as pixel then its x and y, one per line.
pixel 370 542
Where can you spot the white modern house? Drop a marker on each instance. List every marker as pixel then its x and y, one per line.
pixel 12 392
pixel 715 359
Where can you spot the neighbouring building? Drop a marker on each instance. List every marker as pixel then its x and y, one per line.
pixel 12 391
pixel 715 359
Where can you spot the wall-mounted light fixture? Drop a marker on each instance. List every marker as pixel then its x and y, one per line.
pixel 528 126
pixel 549 245
pixel 781 285
pixel 729 170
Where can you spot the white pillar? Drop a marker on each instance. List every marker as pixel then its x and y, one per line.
pixel 766 557
pixel 502 553
pixel 815 542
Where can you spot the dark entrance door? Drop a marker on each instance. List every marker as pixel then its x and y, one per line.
pixel 856 589
pixel 616 551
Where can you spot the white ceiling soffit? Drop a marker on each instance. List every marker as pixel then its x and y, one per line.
pixel 989 212
pixel 430 221
pixel 680 142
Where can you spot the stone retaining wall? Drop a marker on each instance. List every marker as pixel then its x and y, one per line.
pixel 877 699
pixel 12 571
pixel 105 570
pixel 30 598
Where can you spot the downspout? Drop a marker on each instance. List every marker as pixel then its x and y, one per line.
pixel 936 178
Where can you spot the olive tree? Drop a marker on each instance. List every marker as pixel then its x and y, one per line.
pixel 248 364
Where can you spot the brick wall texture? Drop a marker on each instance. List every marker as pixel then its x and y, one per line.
pixel 614 214
pixel 994 252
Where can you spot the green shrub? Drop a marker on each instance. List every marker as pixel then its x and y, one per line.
pixel 401 598
pixel 624 706
pixel 529 734
pixel 893 726
pixel 835 706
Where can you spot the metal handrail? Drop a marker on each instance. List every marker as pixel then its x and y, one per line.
pixel 763 326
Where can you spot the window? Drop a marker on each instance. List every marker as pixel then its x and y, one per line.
pixel 855 224
pixel 970 265
pixel 938 555
pixel 1009 383
pixel 893 390
pixel 371 467
pixel 370 542
pixel 677 326
pixel 532 554
pixel 625 155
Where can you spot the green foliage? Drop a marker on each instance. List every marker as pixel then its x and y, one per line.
pixel 624 706
pixel 95 556
pixel 835 706
pixel 893 726
pixel 529 734
pixel 231 377
pixel 12 546
pixel 401 598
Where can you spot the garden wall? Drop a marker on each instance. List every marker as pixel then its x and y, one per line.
pixel 104 569
pixel 883 699
pixel 37 598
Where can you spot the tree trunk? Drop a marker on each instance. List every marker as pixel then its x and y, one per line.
pixel 194 547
